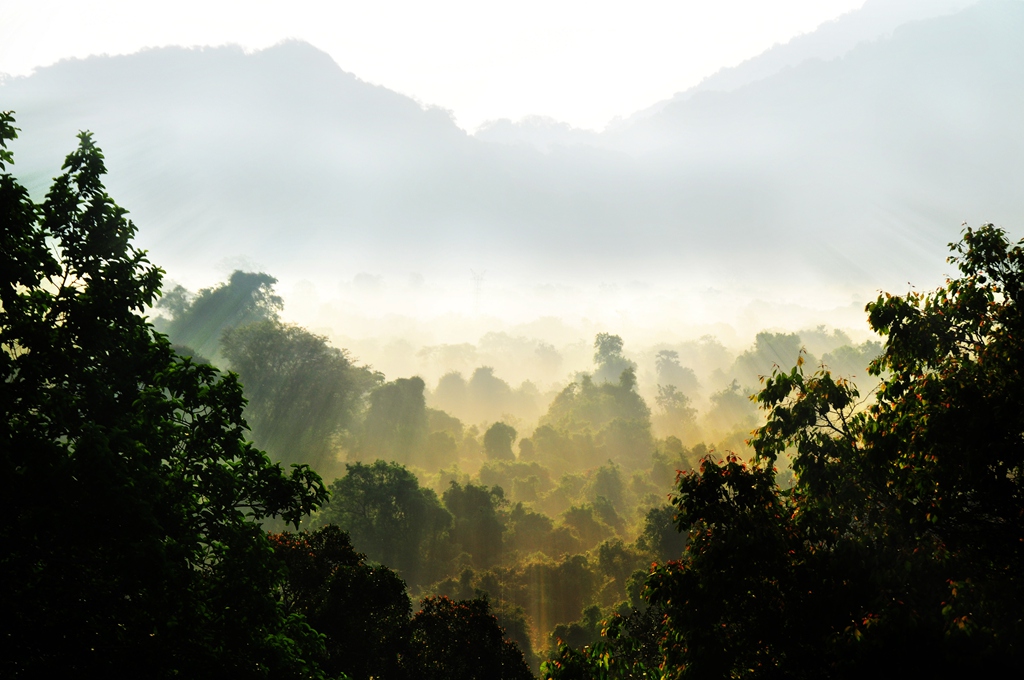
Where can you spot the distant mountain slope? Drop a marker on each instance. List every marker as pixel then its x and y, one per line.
pixel 853 169
pixel 899 134
pixel 877 19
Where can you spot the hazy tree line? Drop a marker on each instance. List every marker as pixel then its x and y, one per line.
pixel 133 506
pixel 549 527
pixel 858 530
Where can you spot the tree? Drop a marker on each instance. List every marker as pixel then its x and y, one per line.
pixel 498 441
pixel 361 609
pixel 769 351
pixel 489 396
pixel 476 526
pixel 676 414
pixel 672 373
pixel 302 393
pixel 395 425
pixel 608 358
pixel 660 537
pixel 851 361
pixel 130 501
pixel 461 640
pixel 899 548
pixel 614 412
pixel 388 516
pixel 902 542
pixel 199 322
pixel 628 649
pixel 364 612
pixel 452 394
pixel 731 409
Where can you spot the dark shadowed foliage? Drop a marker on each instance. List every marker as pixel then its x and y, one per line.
pixel 899 548
pixel 389 517
pixel 130 501
pixel 461 640
pixel 476 527
pixel 498 442
pixel 362 609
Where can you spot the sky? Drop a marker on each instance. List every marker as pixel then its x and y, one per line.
pixel 583 62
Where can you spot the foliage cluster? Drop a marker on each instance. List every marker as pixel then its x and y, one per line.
pixel 364 613
pixel 131 502
pixel 892 527
pixel 899 547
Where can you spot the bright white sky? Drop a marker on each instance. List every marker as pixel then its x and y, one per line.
pixel 580 61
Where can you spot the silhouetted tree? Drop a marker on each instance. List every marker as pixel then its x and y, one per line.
pixel 130 501
pixel 608 358
pixel 671 372
pixel 395 425
pixel 389 517
pixel 362 609
pixel 451 394
pixel 899 547
pixel 731 409
pixel 476 527
pixel 660 535
pixel 490 397
pixel 461 640
pixel 498 441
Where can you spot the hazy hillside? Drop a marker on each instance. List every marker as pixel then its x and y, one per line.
pixel 876 19
pixel 809 172
pixel 898 138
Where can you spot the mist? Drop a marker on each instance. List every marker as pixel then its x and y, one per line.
pixel 851 172
pixel 494 358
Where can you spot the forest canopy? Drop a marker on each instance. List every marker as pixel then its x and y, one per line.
pixel 131 501
pixel 899 547
pixel 145 532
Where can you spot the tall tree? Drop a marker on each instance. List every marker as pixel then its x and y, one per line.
pixel 498 441
pixel 900 547
pixel 361 609
pixel 390 518
pixel 130 501
pixel 200 321
pixel 609 361
pixel 395 425
pixel 476 526
pixel 672 373
pixel 461 640
pixel 302 393
pixel 613 412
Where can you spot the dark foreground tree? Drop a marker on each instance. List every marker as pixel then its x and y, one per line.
pixel 361 609
pixel 130 501
pixel 900 549
pixel 461 640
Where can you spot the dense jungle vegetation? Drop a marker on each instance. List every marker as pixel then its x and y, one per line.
pixel 864 531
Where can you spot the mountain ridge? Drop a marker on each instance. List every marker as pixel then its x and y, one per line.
pixel 845 168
